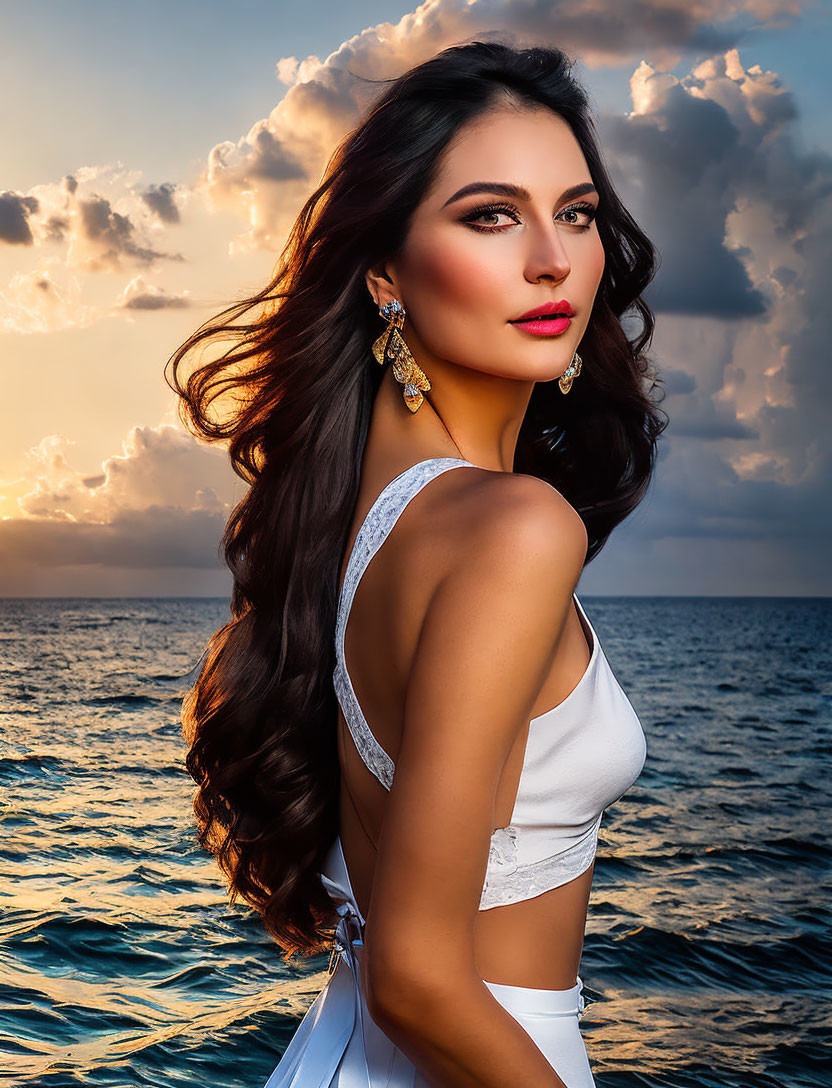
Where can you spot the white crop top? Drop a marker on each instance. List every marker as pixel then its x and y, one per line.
pixel 580 756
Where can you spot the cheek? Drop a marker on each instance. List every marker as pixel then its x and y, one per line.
pixel 597 261
pixel 454 277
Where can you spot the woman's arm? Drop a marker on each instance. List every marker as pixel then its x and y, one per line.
pixel 488 639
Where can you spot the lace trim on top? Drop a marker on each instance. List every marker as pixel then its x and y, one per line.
pixel 506 881
pixel 379 521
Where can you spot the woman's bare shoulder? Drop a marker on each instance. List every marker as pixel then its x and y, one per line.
pixel 504 511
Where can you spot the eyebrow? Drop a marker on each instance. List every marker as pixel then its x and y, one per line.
pixel 517 191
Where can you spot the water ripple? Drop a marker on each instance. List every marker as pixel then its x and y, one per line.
pixel 707 959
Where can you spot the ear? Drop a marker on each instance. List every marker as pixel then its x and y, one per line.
pixel 381 283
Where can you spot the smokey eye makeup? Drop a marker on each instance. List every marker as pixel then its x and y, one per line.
pixel 495 208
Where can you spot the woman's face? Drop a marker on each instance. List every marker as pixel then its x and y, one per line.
pixel 473 263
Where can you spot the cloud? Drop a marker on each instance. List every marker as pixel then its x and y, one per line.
pixel 15 210
pixel 157 537
pixel 35 302
pixel 96 234
pixel 101 231
pixel 160 199
pixel 158 466
pixel 103 238
pixel 138 295
pixel 161 503
pixel 286 69
pixel 742 218
pixel 703 417
pixel 689 154
pixel 678 381
pixel 700 495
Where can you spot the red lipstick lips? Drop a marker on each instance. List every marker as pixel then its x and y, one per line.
pixel 547 308
pixel 550 319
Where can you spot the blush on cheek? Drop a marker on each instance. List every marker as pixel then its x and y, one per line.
pixel 600 260
pixel 440 277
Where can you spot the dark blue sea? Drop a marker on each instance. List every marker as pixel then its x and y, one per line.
pixel 708 958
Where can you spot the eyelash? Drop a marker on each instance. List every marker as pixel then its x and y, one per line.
pixel 509 209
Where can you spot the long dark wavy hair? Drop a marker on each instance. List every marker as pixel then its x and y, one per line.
pixel 261 719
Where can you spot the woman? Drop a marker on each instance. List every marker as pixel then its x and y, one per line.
pixel 470 201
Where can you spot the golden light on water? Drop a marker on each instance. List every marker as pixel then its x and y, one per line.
pixel 121 946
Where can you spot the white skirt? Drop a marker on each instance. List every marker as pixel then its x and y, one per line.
pixel 339 1045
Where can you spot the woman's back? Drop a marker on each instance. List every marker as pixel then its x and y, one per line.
pixel 537 940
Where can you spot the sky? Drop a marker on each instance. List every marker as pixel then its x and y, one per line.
pixel 157 154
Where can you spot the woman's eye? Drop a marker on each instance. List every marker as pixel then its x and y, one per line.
pixel 491 216
pixel 587 210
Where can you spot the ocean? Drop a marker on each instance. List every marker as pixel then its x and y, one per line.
pixel 707 960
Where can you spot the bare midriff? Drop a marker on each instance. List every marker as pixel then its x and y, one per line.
pixel 536 942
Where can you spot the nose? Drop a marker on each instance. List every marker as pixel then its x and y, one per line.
pixel 547 257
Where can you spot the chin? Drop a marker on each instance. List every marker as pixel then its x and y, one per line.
pixel 549 371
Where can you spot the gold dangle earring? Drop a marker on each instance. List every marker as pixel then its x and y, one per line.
pixel 391 347
pixel 571 372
